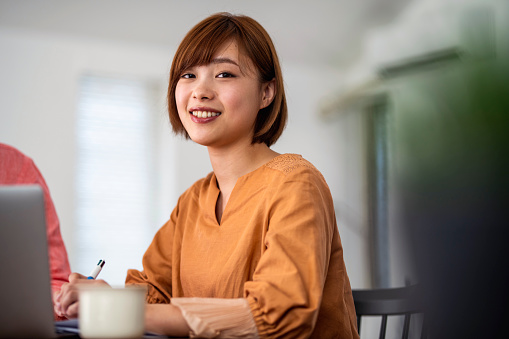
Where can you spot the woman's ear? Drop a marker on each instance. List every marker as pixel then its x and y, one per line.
pixel 268 93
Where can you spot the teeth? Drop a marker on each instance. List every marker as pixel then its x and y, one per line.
pixel 204 114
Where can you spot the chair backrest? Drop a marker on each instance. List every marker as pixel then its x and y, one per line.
pixel 388 302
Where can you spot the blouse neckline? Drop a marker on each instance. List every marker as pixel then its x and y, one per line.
pixel 211 204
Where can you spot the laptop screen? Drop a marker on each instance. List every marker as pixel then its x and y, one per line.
pixel 25 291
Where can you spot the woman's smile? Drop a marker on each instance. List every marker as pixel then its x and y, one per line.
pixel 203 115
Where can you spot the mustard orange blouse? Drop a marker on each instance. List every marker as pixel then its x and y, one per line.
pixel 277 246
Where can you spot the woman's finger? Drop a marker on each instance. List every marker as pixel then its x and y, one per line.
pixel 74 277
pixel 72 311
pixel 68 298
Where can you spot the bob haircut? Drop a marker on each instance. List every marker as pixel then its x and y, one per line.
pixel 201 44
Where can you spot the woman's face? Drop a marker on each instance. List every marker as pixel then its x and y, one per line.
pixel 218 102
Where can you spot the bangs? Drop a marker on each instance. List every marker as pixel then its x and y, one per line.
pixel 207 39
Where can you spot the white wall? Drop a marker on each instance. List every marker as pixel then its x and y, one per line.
pixel 38 96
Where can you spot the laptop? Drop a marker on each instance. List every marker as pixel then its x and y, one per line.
pixel 26 307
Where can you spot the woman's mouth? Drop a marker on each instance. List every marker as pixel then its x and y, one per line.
pixel 204 114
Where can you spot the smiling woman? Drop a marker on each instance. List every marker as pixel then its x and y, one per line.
pixel 252 249
pixel 249 51
pixel 219 102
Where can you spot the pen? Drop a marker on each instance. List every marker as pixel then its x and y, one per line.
pixel 96 270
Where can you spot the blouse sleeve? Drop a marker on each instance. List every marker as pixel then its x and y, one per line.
pixel 287 287
pixel 217 317
pixel 157 265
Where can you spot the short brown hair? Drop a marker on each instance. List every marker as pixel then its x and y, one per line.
pixel 198 48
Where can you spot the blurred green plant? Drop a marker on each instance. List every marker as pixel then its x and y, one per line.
pixel 452 142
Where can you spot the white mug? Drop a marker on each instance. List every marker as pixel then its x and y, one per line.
pixel 106 312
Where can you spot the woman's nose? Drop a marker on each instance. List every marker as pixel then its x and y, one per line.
pixel 203 90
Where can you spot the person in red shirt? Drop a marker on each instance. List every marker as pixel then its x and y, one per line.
pixel 18 169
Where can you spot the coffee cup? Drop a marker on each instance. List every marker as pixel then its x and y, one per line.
pixel 111 312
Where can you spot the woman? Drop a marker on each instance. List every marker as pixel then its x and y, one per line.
pixel 252 249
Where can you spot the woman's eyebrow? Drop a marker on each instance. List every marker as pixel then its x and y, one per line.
pixel 224 61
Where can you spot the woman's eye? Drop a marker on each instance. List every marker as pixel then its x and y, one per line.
pixel 187 76
pixel 225 75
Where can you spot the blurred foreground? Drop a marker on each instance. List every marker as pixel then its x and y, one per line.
pixel 454 191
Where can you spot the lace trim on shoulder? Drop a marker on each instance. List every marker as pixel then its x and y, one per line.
pixel 286 163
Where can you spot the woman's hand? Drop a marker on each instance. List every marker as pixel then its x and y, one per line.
pixel 66 301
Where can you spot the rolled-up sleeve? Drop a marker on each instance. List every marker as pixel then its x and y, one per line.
pixel 217 317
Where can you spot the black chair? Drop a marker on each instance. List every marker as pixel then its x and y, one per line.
pixel 388 302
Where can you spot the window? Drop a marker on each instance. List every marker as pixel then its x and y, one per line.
pixel 115 174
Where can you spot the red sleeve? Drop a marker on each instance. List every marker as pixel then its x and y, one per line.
pixel 59 263
pixel 18 169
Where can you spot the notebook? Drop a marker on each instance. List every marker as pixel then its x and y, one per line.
pixel 26 308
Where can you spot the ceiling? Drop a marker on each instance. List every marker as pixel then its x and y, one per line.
pixel 321 31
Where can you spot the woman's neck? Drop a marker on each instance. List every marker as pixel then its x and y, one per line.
pixel 234 162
